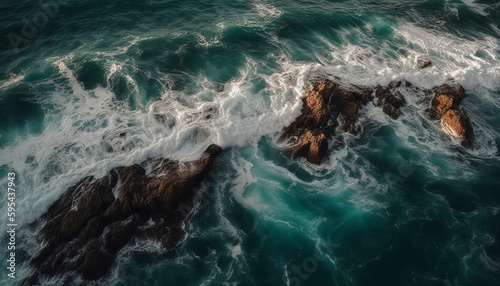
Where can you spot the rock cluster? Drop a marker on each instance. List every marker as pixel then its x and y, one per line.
pixel 446 97
pixel 454 121
pixel 86 228
pixel 314 125
pixel 329 105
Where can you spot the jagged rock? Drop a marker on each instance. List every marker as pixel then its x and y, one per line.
pixel 312 147
pixel 314 109
pixel 344 102
pixel 423 63
pixel 456 123
pixel 446 97
pixel 314 125
pixel 86 228
pixel 328 104
pixel 362 94
pixel 391 101
pixel 325 103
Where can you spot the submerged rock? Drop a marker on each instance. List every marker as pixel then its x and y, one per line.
pixel 390 100
pixel 456 123
pixel 86 228
pixel 423 63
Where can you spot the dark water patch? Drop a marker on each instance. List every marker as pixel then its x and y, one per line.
pixel 92 74
pixel 20 117
pixel 457 195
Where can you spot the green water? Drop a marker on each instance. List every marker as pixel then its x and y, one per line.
pixel 105 84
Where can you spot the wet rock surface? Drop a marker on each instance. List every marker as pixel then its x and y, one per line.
pixel 314 125
pixel 390 100
pixel 454 121
pixel 446 97
pixel 331 106
pixel 456 124
pixel 86 228
pixel 327 105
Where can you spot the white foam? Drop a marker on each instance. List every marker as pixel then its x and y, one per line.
pixel 133 42
pixel 236 251
pixel 12 81
pixel 77 134
pixel 202 40
pixel 262 14
pixel 84 123
pixel 371 61
pixel 266 9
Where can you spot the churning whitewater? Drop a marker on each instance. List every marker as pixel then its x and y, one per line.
pixel 98 86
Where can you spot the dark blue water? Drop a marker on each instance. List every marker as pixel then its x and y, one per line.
pixel 401 204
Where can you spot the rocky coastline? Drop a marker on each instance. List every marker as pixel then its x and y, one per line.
pixel 85 229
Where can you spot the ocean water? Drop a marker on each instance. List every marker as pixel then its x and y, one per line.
pixel 89 85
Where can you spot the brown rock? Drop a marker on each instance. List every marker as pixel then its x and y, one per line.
pixel 325 103
pixel 314 112
pixel 456 124
pixel 390 101
pixel 440 105
pixel 73 233
pixel 456 91
pixel 311 129
pixel 446 97
pixel 344 102
pixel 423 63
pixel 312 147
pixel 362 94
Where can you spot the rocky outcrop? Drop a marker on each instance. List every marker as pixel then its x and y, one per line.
pixel 454 121
pixel 446 97
pixel 326 106
pixel 330 106
pixel 311 130
pixel 86 228
pixel 345 103
pixel 314 113
pixel 456 124
pixel 313 147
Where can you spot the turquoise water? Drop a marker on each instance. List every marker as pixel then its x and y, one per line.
pixel 103 84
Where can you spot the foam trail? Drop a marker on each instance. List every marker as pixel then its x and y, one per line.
pixel 12 81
